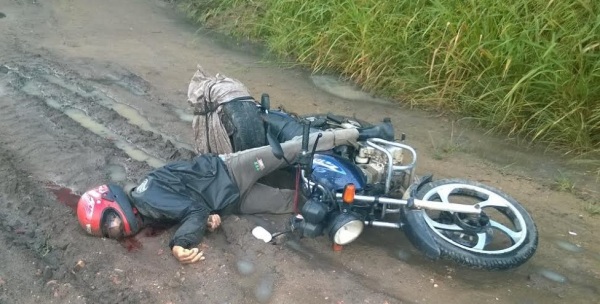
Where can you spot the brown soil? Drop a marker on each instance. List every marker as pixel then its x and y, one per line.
pixel 126 66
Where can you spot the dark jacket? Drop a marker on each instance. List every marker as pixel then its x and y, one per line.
pixel 186 192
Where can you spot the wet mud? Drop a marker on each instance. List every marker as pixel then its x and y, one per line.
pixel 90 94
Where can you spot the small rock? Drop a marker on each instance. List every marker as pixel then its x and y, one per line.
pixel 435 285
pixel 80 264
pixel 572 233
pixel 2 282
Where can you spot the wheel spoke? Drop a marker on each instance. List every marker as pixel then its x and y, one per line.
pixel 481 241
pixel 494 201
pixel 451 227
pixel 444 193
pixel 515 236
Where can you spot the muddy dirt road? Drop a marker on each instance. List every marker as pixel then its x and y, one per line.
pixel 92 91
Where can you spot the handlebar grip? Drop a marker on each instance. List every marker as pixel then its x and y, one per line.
pixel 265 101
pixel 305 135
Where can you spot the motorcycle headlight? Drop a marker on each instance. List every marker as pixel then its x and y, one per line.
pixel 311 230
pixel 345 228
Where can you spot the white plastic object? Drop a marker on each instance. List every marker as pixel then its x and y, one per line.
pixel 262 234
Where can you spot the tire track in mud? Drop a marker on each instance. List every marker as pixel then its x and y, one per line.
pixel 98 112
pixel 40 143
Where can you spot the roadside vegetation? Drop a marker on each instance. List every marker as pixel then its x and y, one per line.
pixel 527 68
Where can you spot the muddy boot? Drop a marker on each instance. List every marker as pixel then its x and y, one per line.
pixel 384 130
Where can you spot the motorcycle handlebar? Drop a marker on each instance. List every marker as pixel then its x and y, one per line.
pixel 305 135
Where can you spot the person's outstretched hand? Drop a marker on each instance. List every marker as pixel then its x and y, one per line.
pixel 187 256
pixel 214 221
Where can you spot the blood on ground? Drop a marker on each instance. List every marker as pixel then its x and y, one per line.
pixel 64 195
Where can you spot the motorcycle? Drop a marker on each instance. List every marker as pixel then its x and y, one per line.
pixel 372 184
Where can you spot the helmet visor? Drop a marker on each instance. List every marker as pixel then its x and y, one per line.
pixel 112 226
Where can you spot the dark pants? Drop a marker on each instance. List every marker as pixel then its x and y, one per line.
pixel 248 166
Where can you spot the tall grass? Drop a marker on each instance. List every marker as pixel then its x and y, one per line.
pixel 523 67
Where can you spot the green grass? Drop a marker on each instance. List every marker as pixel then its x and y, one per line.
pixel 442 148
pixel 563 183
pixel 592 208
pixel 520 67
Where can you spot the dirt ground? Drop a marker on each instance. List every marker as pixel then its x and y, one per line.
pixel 95 91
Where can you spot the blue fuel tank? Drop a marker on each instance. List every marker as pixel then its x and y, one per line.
pixel 334 172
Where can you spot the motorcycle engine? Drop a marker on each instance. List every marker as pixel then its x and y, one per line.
pixel 373 163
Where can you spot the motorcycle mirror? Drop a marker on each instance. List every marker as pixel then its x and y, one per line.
pixel 275 145
pixel 262 234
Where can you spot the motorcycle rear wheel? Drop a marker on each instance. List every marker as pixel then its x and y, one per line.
pixel 504 238
pixel 242 121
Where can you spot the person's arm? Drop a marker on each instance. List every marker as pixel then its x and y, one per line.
pixel 188 236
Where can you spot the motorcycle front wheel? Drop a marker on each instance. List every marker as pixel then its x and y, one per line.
pixel 504 236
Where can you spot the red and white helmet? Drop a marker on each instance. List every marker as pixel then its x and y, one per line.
pixel 94 204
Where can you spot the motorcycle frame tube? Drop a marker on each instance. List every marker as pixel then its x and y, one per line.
pixel 373 142
pixel 391 168
pixel 419 204
pixel 382 224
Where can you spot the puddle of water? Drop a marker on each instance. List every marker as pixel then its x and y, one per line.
pixel 568 246
pixel 122 81
pixel 132 115
pixel 64 195
pixel 2 15
pixel 116 173
pixel 184 115
pixel 334 86
pixel 101 130
pixel 553 276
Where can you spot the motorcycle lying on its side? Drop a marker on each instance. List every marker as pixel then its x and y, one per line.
pixel 372 183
